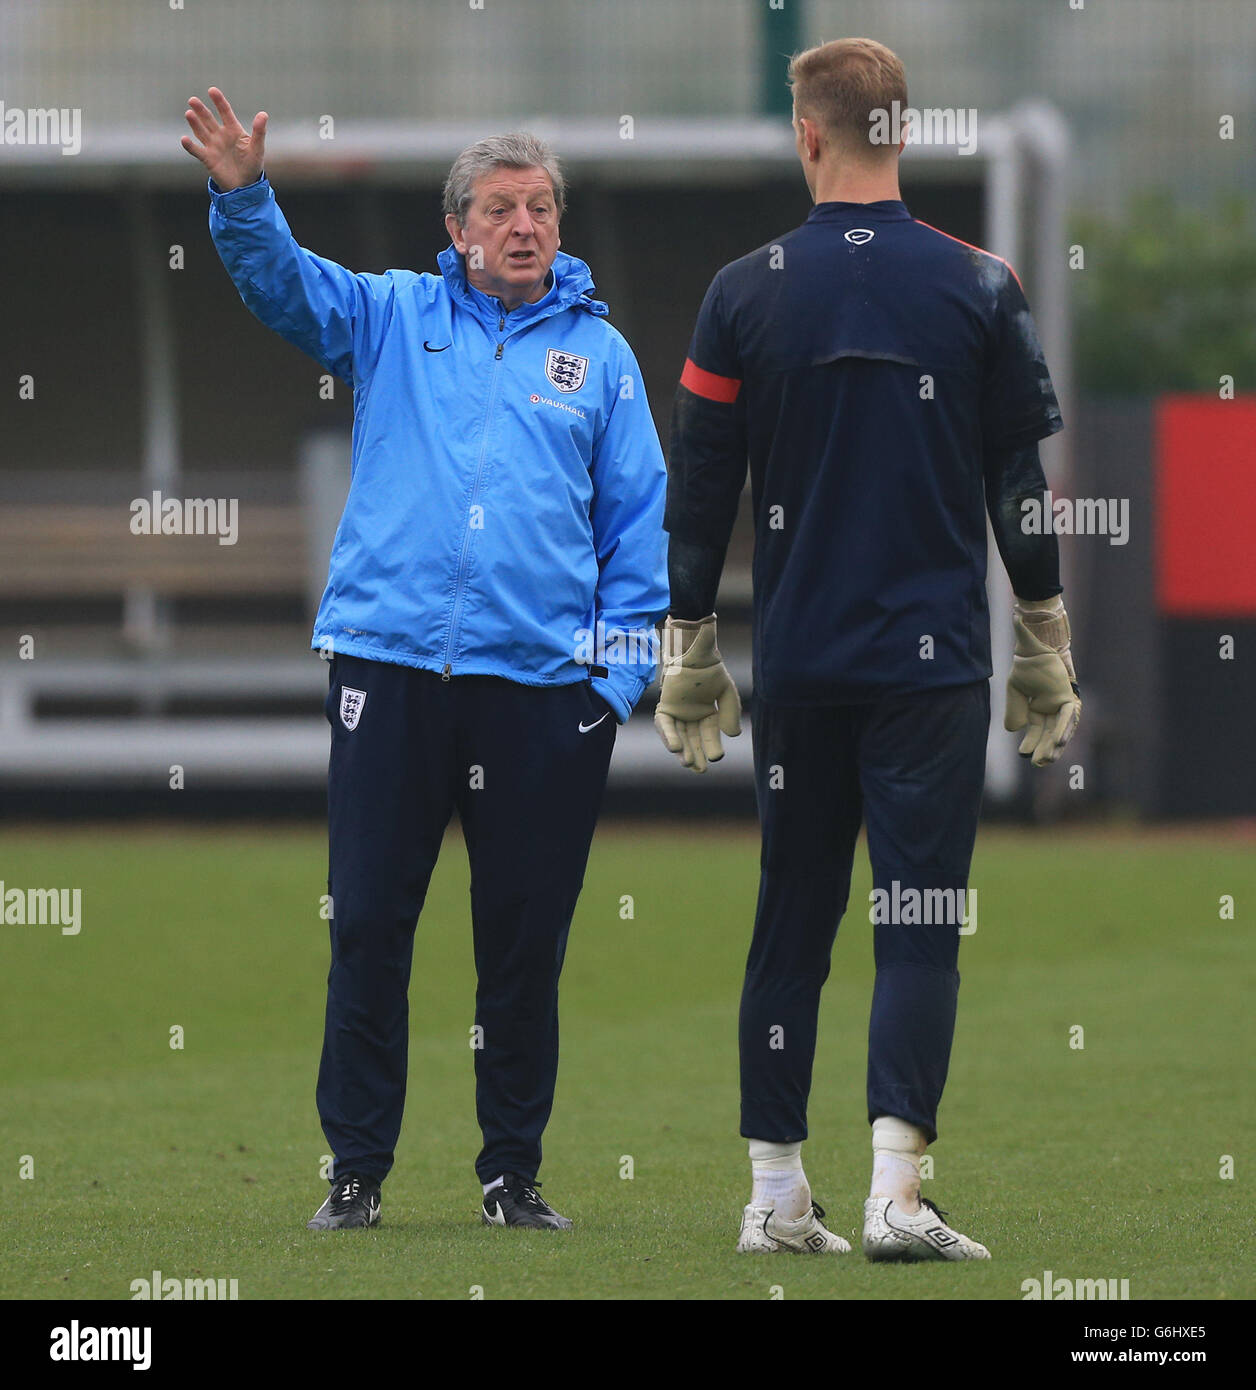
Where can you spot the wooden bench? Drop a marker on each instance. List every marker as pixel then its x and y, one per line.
pixel 76 550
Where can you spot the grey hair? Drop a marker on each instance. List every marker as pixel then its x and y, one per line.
pixel 518 150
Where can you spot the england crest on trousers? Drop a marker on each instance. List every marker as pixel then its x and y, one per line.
pixel 565 369
pixel 352 703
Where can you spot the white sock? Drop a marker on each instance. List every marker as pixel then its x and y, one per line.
pixel 497 1182
pixel 779 1181
pixel 896 1151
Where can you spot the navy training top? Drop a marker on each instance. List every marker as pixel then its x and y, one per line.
pixel 869 366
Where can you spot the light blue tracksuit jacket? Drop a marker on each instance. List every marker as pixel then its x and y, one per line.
pixel 505 514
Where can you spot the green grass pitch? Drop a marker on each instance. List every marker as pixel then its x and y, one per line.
pixel 1099 1162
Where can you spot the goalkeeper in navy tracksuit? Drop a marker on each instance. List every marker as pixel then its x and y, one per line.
pixel 887 385
pixel 503 529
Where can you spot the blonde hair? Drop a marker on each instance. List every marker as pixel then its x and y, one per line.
pixel 842 84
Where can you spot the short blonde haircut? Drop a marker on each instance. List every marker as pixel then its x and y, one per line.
pixel 839 85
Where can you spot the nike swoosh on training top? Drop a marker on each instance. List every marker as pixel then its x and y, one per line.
pixel 427 347
pixel 584 728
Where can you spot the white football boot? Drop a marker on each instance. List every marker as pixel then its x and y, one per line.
pixel 890 1234
pixel 762 1231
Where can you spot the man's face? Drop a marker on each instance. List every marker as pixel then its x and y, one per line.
pixel 511 234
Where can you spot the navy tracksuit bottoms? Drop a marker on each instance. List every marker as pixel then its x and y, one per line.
pixel 911 767
pixel 525 767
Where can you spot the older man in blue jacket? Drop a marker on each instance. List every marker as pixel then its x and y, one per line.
pixel 504 523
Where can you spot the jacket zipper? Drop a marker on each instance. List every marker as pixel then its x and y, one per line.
pixel 456 616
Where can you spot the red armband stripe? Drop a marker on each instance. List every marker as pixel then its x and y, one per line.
pixel 715 388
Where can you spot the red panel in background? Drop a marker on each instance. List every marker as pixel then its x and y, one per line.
pixel 1206 506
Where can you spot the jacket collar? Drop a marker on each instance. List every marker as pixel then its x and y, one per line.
pixel 888 210
pixel 572 288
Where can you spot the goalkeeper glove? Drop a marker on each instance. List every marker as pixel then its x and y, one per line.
pixel 1042 694
pixel 698 699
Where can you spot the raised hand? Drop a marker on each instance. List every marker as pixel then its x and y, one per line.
pixel 232 155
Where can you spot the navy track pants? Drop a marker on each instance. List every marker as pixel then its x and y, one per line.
pixel 525 767
pixel 911 767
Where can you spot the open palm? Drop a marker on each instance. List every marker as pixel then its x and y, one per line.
pixel 232 155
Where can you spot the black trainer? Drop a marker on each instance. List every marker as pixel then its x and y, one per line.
pixel 518 1203
pixel 352 1202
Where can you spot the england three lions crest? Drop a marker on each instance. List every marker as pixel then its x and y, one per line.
pixel 565 370
pixel 352 703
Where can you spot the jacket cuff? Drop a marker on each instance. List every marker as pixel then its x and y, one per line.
pixel 237 200
pixel 620 701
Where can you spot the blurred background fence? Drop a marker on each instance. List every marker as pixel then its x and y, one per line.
pixel 1142 81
